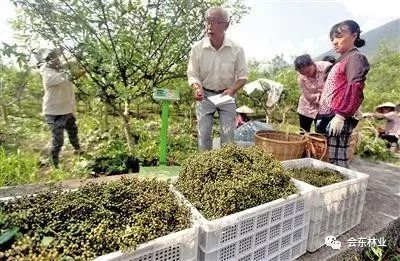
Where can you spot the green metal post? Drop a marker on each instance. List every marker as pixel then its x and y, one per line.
pixel 164 127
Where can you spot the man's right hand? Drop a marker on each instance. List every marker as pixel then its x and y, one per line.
pixel 198 92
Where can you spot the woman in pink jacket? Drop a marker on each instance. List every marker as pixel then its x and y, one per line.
pixel 342 94
pixel 311 78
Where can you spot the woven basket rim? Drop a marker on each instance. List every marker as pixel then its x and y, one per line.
pixel 316 136
pixel 297 142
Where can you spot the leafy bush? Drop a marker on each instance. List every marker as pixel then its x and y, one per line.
pixel 181 144
pixel 383 82
pixel 317 177
pixel 373 148
pixel 17 168
pixel 148 151
pixel 231 179
pixel 379 253
pixel 78 170
pixel 95 220
pixel 109 154
pixel 118 163
pixel 23 132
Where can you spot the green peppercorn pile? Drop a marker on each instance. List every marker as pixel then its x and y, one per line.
pixel 95 220
pixel 317 177
pixel 231 179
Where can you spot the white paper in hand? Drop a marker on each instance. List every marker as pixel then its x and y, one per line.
pixel 221 99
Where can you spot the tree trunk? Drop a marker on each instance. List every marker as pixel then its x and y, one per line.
pixel 104 116
pixel 128 135
pixel 127 128
pixel 5 116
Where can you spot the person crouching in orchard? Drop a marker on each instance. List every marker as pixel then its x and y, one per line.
pixel 242 116
pixel 391 132
pixel 342 94
pixel 311 77
pixel 58 103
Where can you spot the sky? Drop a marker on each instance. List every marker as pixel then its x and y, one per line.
pixel 297 27
pixel 274 27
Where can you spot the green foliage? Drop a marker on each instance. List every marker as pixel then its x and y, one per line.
pixel 108 145
pixel 21 129
pixel 79 169
pixel 20 91
pixel 14 51
pixel 379 253
pixel 127 48
pixel 317 177
pixel 148 133
pixel 383 83
pixel 17 168
pixel 95 220
pixel 8 235
pixel 373 148
pixel 276 69
pixel 100 34
pixel 181 143
pixel 180 147
pixel 231 179
pixel 109 154
pixel 22 167
pixel 291 93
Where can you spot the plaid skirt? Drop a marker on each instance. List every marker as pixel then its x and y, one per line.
pixel 338 146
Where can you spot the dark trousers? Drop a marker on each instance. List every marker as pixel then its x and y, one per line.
pixel 305 122
pixel 390 138
pixel 57 124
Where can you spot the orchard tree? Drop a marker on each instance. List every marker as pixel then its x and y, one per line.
pixel 16 83
pixel 383 82
pixel 126 47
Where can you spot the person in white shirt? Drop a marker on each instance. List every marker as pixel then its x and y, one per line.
pixel 216 65
pixel 58 103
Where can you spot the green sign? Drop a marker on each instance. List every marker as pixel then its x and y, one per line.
pixel 165 95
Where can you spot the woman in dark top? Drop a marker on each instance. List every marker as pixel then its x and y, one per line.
pixel 343 95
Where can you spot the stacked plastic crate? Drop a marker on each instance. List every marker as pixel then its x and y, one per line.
pixel 273 231
pixel 177 246
pixel 335 208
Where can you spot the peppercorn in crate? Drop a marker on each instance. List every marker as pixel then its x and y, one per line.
pixel 181 245
pixel 335 208
pixel 276 230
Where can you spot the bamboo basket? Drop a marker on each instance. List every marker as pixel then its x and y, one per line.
pixel 354 141
pixel 282 145
pixel 318 146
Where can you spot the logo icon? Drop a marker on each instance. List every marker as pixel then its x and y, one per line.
pixel 332 242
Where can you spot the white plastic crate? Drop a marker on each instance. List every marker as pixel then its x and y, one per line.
pixel 178 246
pixel 335 208
pixel 273 231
